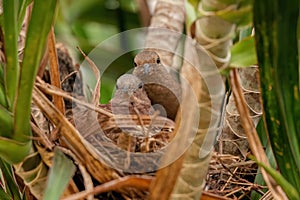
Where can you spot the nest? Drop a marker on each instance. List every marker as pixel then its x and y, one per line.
pixel 138 133
pixel 124 148
pixel 232 177
pixel 128 149
pixel 135 143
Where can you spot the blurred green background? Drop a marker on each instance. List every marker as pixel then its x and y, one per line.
pixel 89 23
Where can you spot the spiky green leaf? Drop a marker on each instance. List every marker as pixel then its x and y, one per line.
pixel 60 174
pixel 12 69
pixel 277 51
pixel 289 190
pixel 243 53
pixel 11 187
pixel 41 21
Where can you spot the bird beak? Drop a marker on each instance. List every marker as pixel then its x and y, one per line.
pixel 146 68
pixel 129 93
pixel 126 94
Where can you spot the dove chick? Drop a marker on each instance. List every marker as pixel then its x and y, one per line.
pixel 130 95
pixel 160 85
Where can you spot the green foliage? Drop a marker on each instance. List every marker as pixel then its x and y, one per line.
pixel 9 188
pixel 12 150
pixel 89 23
pixel 16 84
pixel 12 68
pixel 39 26
pixel 277 51
pixel 266 144
pixel 191 13
pixel 4 195
pixel 290 191
pixel 193 3
pixel 6 125
pixel 61 172
pixel 235 12
pixel 243 53
pixel 22 9
pixel 242 16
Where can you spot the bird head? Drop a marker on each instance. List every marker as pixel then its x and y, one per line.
pixel 145 60
pixel 127 85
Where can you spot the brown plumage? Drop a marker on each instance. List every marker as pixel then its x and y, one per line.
pixel 130 97
pixel 129 132
pixel 160 85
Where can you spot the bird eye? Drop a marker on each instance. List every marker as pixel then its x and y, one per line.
pixel 117 87
pixel 134 63
pixel 140 85
pixel 158 60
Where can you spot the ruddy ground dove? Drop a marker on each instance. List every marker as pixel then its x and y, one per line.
pixel 130 97
pixel 160 85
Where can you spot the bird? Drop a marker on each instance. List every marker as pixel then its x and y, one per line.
pixel 161 87
pixel 130 97
pixel 132 124
pixel 131 133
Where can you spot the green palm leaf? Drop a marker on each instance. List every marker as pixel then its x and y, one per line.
pixel 277 51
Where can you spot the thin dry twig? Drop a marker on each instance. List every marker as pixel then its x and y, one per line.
pixel 73 140
pixel 43 64
pixel 96 92
pixel 54 71
pixel 209 196
pixel 68 76
pixel 49 89
pixel 143 127
pixel 230 176
pixel 42 137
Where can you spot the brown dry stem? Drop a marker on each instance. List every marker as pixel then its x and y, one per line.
pixel 54 71
pixel 253 139
pixel 96 92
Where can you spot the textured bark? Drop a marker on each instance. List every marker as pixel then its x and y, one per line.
pixel 204 79
pixel 165 29
pixel 202 90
